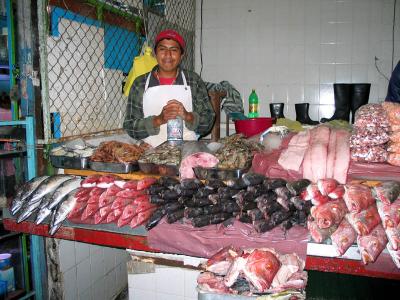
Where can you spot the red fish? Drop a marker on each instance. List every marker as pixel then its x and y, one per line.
pixel 96 191
pixel 94 200
pixel 343 237
pixel 98 218
pixel 105 201
pixel 90 210
pixel 127 215
pixel 371 245
pixel 90 181
pixel 319 199
pixel 105 181
pixel 104 211
pixel 112 190
pixel 112 217
pixel 141 199
pixel 120 203
pixel 82 192
pixel 144 206
pixel 145 183
pixel 77 210
pixel 141 217
pixel 131 185
pixel 83 198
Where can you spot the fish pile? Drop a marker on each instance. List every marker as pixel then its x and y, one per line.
pixel 45 196
pixel 237 152
pixel 103 199
pixel 393 112
pixel 114 151
pixel 165 154
pixel 388 203
pixel 346 213
pixel 254 271
pixel 253 198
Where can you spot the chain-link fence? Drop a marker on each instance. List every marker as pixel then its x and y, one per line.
pixel 90 49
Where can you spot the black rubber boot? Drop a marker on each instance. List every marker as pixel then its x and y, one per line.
pixel 360 97
pixel 276 110
pixel 343 96
pixel 302 114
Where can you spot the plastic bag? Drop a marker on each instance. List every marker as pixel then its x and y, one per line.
pixel 369 137
pixel 369 153
pixel 394 147
pixel 141 65
pixel 394 159
pixel 393 112
pixel 371 115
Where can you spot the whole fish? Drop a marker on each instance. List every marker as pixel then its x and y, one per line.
pixel 47 186
pixel 24 192
pixel 64 189
pixel 43 211
pixel 62 211
pixel 28 209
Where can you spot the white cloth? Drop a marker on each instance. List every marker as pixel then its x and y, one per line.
pixel 155 98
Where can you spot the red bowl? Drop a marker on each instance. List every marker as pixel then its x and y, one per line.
pixel 250 127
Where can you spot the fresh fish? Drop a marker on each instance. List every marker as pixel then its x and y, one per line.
pixel 64 189
pixel 175 216
pixel 27 210
pixel 169 195
pixel 215 183
pixel 236 184
pixel 47 186
pixel 191 184
pixel 273 183
pixel 191 212
pixel 155 199
pixel 155 218
pixel 167 182
pixel 24 192
pixel 257 190
pixel 252 179
pixel 43 211
pixel 172 207
pixel 62 211
pixel 184 192
pixel 156 189
pixel 145 183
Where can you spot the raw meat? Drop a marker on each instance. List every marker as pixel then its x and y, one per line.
pixel 371 115
pixel 220 262
pixel 130 193
pixel 235 269
pixel 199 159
pixel 89 211
pixel 112 190
pixel 292 157
pixel 365 137
pixel 290 264
pixel 120 203
pixel 96 191
pixel 394 159
pixel 389 213
pixel 393 112
pixel 343 237
pixel 90 181
pixel 131 185
pixel 395 137
pixel 337 193
pixel 209 282
pixel 327 185
pixel 105 201
pixel 145 183
pixel 357 197
pixel 141 217
pixel 105 181
pixel 365 221
pixel 127 215
pixel 83 192
pixel 319 234
pixel 388 191
pixel 394 147
pixel 371 245
pixel 393 235
pixel 319 151
pixel 260 268
pixel 342 156
pixel 394 254
pixel 330 213
pixel 330 160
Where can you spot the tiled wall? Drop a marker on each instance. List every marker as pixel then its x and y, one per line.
pixel 292 51
pixel 92 272
pixel 167 283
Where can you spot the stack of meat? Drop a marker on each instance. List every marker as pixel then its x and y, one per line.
pixel 393 112
pixel 253 198
pixel 319 153
pixel 114 151
pixel 248 271
pixel 109 199
pixel 346 214
pixel 368 141
pixel 388 203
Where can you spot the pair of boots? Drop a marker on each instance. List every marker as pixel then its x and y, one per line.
pixel 302 116
pixel 348 97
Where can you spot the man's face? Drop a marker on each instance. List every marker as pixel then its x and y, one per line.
pixel 168 55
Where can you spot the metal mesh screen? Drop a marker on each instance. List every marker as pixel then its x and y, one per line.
pixel 90 49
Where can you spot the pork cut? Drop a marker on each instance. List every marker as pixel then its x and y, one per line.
pixel 343 237
pixel 330 213
pixel 372 244
pixel 364 221
pixel 357 197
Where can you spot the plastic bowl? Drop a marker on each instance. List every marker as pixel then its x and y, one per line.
pixel 250 127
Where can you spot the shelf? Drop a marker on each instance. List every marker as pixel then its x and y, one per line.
pixel 129 176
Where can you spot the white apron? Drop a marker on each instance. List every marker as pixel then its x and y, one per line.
pixel 155 98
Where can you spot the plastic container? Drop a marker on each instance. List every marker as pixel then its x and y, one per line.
pixel 253 126
pixel 7 272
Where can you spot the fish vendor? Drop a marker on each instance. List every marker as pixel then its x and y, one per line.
pixel 168 92
pixel 393 94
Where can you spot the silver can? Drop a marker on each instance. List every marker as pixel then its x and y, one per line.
pixel 175 129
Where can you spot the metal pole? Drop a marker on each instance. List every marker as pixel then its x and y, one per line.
pixel 42 28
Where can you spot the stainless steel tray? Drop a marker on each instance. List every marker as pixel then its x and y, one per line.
pixel 215 173
pixel 113 167
pixel 67 162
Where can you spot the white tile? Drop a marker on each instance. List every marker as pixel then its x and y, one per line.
pixel 67 255
pixel 109 259
pixel 359 73
pixel 343 73
pixel 327 74
pixel 96 266
pixel 83 275
pixel 312 33
pixel 343 53
pixel 297 12
pixel 326 111
pixel 170 280
pixel 295 93
pixel 328 32
pixel 122 276
pixel 326 94
pixel 290 111
pixel 98 290
pixel 82 251
pixel 313 11
pixel 296 54
pixel 282 11
pixel 110 284
pixel 328 53
pixel 145 282
pixel 282 55
pixel 282 34
pixel 191 283
pixel 313 112
pixel 162 296
pixel 86 295
pixel 311 93
pixel 70 284
pixel 95 248
pixel 328 10
pixel 136 294
pixel 344 11
pixel 360 53
pixel 279 93
pixel 312 53
pixel 311 74
pixel 344 33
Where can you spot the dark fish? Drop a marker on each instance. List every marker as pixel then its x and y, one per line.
pixel 279 216
pixel 155 199
pixel 156 217
pixel 267 203
pixel 273 183
pixel 201 221
pixel 211 209
pixel 156 189
pixel 191 212
pixel 184 199
pixel 255 214
pixel 262 225
pixel 299 217
pixel 229 206
pixel 172 207
pixel 257 190
pixel 283 197
pixel 175 216
pixel 214 198
pixel 167 181
pixel 219 218
pixel 184 192
pixel 296 187
pixel 226 192
pixel 245 218
pixel 244 196
pixel 201 201
pixel 298 202
pixel 286 225
pixel 248 205
pixel 237 184
pixel 215 183
pixel 252 179
pixel 203 192
pixel 169 195
pixel 191 184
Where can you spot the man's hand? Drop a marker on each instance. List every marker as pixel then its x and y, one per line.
pixel 173 109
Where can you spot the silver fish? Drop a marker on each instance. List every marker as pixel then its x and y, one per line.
pixel 24 192
pixel 28 209
pixel 64 189
pixel 62 211
pixel 47 186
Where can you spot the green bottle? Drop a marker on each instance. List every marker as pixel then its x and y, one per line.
pixel 253 104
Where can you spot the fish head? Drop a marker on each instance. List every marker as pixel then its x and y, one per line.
pixel 54 228
pixel 42 215
pixel 16 206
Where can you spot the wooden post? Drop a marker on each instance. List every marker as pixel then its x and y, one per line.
pixel 215 98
